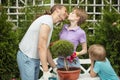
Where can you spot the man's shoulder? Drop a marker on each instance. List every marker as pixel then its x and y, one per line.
pixel 48 17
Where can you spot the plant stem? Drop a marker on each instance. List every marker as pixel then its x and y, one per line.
pixel 66 64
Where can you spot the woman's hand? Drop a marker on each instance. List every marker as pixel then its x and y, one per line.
pixel 72 57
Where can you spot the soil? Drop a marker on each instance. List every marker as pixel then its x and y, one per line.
pixel 70 69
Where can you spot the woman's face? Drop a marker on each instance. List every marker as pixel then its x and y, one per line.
pixel 72 16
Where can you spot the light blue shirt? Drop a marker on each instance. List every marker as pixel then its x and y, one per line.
pixel 105 70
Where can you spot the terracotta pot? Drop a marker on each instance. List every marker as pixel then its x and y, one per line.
pixel 72 74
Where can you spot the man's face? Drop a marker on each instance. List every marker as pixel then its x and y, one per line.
pixel 62 14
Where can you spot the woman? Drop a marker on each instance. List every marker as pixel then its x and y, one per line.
pixel 73 33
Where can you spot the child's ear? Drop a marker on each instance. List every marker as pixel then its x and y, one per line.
pixel 89 56
pixel 78 17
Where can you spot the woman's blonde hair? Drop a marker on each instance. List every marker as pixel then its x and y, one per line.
pixel 82 14
pixel 97 52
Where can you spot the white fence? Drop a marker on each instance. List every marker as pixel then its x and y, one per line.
pixel 93 7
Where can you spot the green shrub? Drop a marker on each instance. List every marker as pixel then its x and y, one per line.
pixel 107 33
pixel 8 48
pixel 62 48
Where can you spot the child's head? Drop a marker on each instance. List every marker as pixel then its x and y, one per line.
pixel 82 14
pixel 97 52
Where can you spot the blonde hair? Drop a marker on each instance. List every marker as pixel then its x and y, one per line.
pixel 82 14
pixel 97 52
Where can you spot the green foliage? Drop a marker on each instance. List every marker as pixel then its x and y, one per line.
pixel 55 34
pixel 8 47
pixel 107 33
pixel 62 48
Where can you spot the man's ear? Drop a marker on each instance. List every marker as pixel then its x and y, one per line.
pixel 57 10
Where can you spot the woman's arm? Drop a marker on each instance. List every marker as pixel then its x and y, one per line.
pixel 84 49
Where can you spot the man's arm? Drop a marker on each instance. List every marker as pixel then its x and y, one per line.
pixel 50 60
pixel 42 46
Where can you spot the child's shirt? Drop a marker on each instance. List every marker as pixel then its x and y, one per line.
pixel 105 70
pixel 75 35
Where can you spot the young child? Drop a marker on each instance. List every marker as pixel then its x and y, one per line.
pixel 100 64
pixel 76 35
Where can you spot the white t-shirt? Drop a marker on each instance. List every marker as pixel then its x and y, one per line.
pixel 29 43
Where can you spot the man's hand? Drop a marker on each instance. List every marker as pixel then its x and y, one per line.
pixel 55 70
pixel 46 75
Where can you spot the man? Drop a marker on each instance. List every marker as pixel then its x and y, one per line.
pixel 33 48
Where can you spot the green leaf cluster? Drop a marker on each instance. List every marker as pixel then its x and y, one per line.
pixel 62 48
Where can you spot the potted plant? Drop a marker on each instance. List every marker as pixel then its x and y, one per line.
pixel 65 48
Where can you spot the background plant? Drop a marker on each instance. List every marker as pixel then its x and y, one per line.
pixel 107 33
pixel 8 47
